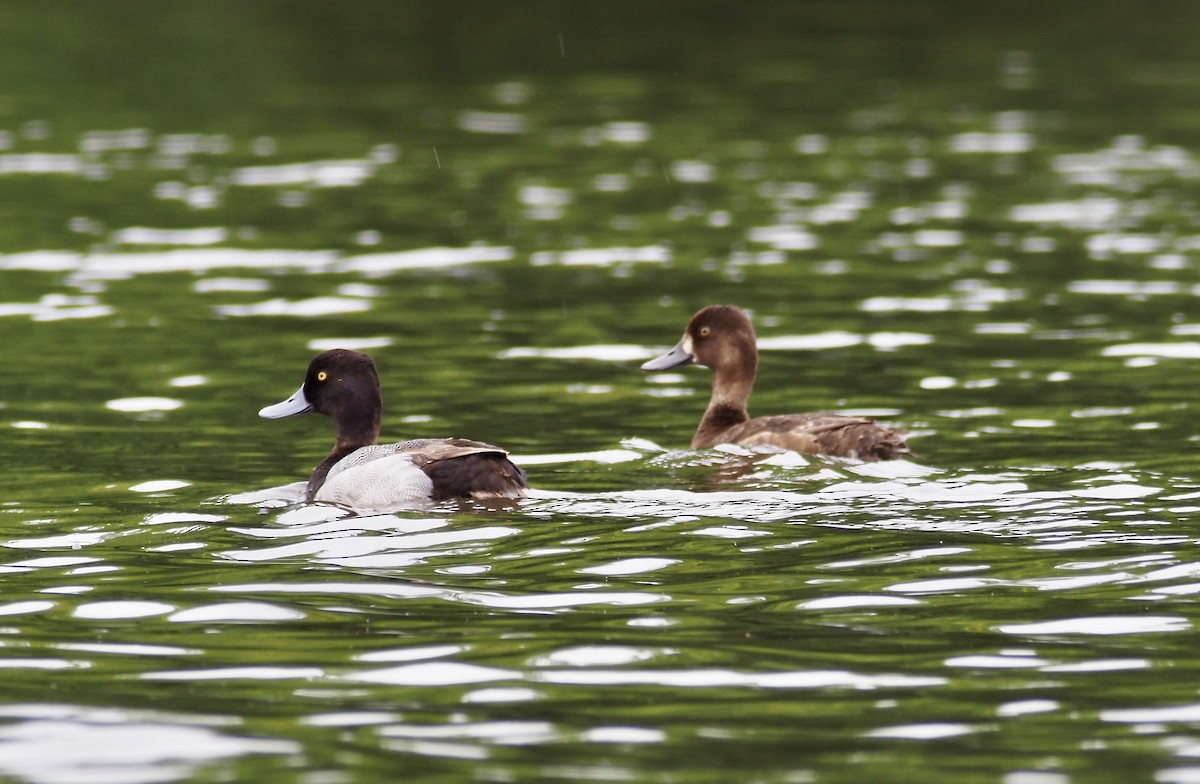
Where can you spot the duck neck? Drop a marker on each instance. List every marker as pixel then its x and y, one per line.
pixel 727 406
pixel 321 472
pixel 352 435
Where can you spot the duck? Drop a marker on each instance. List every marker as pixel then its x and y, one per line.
pixel 363 474
pixel 722 338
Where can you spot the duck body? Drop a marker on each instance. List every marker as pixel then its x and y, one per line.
pixel 722 338
pixel 363 474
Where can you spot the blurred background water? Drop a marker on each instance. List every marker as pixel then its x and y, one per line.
pixel 977 222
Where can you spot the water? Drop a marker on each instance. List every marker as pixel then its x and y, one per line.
pixel 946 218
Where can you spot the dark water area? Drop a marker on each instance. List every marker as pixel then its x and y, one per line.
pixel 975 222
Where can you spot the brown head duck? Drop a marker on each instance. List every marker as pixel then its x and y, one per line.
pixel 721 337
pixel 364 474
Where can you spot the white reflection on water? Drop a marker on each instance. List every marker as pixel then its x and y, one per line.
pixel 883 341
pixel 543 202
pixel 623 735
pixel 109 266
pixel 705 678
pixel 305 308
pixel 433 674
pixel 1026 707
pixel 1105 625
pixel 57 307
pixel 991 662
pixel 140 235
pixel 75 540
pixel 561 601
pixel 28 424
pixel 42 163
pixel 604 352
pixel 611 183
pixel 1127 158
pixel 1181 350
pixel 457 673
pixel 509 733
pixel 98 142
pixel 54 562
pixel 125 265
pixel 603 257
pixel 158 486
pixel 24 608
pixel 424 258
pixel 350 719
pixel 762 506
pixel 1001 142
pixel 931 731
pixel 323 521
pixel 850 602
pixel 598 655
pixel 143 404
pixel 411 654
pixel 900 557
pixel 971 296
pixel 387 551
pixel 493 122
pixel 111 610
pixel 42 664
pixel 358 344
pixel 785 237
pixel 68 745
pixel 1176 713
pixel 501 694
pixel 263 673
pixel 1125 288
pixel 1099 665
pixel 626 132
pixel 628 566
pixel 247 612
pixel 188 381
pixel 954 585
pixel 319 174
pixel 251 285
pixel 1087 213
pixel 126 649
pixel 1107 245
pixel 392 589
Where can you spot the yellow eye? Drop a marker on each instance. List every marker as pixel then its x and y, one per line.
pixel 705 332
pixel 322 375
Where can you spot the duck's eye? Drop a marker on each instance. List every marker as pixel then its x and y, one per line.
pixel 705 332
pixel 322 375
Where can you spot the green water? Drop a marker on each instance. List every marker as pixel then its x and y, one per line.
pixel 977 222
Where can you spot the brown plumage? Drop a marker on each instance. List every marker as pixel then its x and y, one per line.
pixel 721 337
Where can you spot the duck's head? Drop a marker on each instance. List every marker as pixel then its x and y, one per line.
pixel 718 336
pixel 340 383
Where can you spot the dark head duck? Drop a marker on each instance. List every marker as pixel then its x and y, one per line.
pixel 361 473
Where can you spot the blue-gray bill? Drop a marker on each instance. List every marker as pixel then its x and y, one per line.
pixel 676 357
pixel 296 404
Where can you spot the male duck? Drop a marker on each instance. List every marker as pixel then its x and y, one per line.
pixel 722 338
pixel 363 474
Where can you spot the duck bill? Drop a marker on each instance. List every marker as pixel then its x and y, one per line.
pixel 674 358
pixel 296 404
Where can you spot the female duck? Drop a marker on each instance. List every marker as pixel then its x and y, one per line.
pixel 722 338
pixel 363 474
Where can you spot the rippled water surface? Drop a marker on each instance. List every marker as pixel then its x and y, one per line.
pixel 975 224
